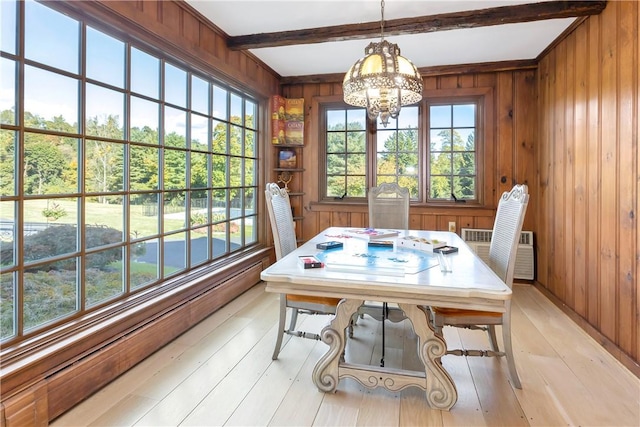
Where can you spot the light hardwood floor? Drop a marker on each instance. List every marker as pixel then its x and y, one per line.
pixel 220 373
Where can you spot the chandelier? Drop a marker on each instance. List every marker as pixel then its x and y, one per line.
pixel 383 80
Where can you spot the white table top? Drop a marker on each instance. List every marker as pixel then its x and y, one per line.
pixel 471 283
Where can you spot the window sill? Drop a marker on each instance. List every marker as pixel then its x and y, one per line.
pixel 357 205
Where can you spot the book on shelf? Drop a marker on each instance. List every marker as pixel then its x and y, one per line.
pixel 278 105
pixel 371 233
pixel 287 120
pixel 294 121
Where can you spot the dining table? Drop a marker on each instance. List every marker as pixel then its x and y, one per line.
pixel 389 271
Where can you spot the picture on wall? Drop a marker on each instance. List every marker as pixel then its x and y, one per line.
pixel 287 159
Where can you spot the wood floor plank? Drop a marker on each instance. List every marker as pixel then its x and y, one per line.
pixel 414 410
pixel 224 398
pixel 220 373
pixel 129 410
pixel 380 406
pixel 468 411
pixel 343 406
pixel 597 374
pixel 199 382
pixel 340 408
pixel 253 296
pixel 569 396
pixel 109 398
pixel 534 398
pixel 160 386
pixel 499 403
pixel 301 403
pixel 262 401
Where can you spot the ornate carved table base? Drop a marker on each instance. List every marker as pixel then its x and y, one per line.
pixel 435 381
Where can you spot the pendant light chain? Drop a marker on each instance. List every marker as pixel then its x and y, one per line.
pixel 383 80
pixel 382 19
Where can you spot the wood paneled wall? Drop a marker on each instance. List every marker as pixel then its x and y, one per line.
pixel 588 241
pixel 509 152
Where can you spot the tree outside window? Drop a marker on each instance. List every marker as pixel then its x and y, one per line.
pixel 452 152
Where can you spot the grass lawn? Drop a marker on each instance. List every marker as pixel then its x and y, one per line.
pixel 110 215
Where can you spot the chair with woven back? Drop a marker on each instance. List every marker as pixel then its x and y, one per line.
pixel 507 228
pixel 388 209
pixel 284 237
pixel 389 206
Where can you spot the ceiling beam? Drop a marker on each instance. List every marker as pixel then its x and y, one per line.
pixel 423 24
pixel 438 70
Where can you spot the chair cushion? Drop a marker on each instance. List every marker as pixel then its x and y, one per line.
pixel 459 312
pixel 312 299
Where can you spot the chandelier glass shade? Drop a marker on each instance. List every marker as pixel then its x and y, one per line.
pixel 382 81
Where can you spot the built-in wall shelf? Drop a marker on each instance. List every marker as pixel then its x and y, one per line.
pixel 288 169
pixel 288 172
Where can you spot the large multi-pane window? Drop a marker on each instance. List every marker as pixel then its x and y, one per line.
pixel 119 168
pixel 361 154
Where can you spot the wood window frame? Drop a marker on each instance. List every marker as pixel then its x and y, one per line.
pixel 483 97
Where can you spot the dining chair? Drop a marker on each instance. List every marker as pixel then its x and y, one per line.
pixel 507 228
pixel 284 236
pixel 388 208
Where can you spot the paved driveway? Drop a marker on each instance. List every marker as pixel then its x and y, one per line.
pixel 174 251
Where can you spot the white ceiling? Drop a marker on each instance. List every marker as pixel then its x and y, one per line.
pixel 441 48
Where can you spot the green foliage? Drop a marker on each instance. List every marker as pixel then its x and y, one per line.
pixel 198 219
pixel 198 170
pixel 104 166
pixel 43 164
pixel 453 170
pixel 51 163
pixel 7 161
pixel 7 303
pixel 54 212
pixel 104 284
pixel 8 117
pixel 175 169
pixel 399 160
pixel 346 157
pixel 108 128
pixel 62 239
pixel 144 167
pixel 48 295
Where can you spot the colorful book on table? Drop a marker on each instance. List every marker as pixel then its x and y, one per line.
pixel 371 233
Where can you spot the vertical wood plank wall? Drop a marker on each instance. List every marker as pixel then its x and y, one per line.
pixel 588 241
pixel 510 151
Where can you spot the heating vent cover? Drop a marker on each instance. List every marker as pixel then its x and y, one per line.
pixel 479 240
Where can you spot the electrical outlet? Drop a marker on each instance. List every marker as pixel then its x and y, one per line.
pixel 452 226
